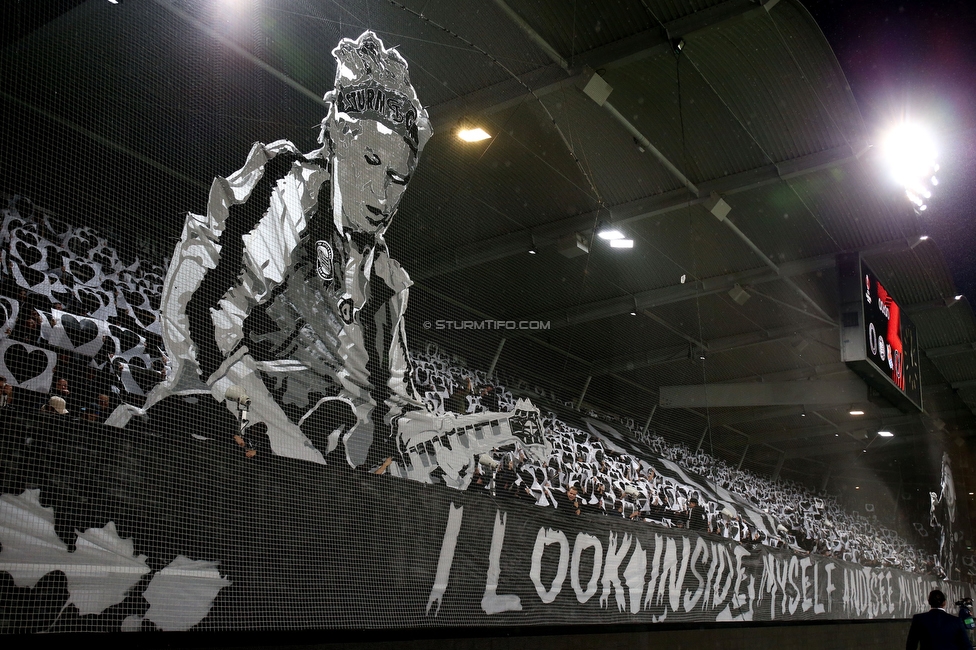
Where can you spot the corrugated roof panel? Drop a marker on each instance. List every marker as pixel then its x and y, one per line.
pixel 854 215
pixel 669 10
pixel 583 26
pixel 816 62
pixel 778 221
pixel 704 140
pixel 606 150
pixel 944 326
pixel 751 70
pixel 958 367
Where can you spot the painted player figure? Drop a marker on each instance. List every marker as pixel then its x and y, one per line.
pixel 285 293
pixel 286 288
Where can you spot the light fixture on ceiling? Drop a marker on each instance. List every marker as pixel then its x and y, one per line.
pixel 856 411
pixel 621 243
pixel 633 312
pixel 608 232
pixel 473 134
pixel 532 249
pixel 919 240
pixel 884 433
pixel 803 413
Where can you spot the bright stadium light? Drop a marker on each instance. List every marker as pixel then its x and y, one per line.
pixel 607 232
pixel 475 134
pixel 910 153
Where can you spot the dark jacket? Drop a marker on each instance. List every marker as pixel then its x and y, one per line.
pixel 937 630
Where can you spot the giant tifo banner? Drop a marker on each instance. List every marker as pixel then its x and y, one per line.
pixel 295 466
pixel 124 532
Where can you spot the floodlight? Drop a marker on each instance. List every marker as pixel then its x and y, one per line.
pixel 621 243
pixel 910 153
pixel 909 150
pixel 608 232
pixel 885 434
pixel 475 134
pixel 856 412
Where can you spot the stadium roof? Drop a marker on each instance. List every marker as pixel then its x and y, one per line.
pixel 121 115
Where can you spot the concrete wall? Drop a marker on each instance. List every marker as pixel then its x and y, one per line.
pixel 868 635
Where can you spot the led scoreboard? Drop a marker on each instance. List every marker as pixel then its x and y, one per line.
pixel 878 340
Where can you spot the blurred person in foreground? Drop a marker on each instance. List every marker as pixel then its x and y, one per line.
pixel 937 629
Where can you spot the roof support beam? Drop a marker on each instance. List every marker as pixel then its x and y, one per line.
pixel 680 352
pixel 950 350
pixel 691 290
pixel 814 372
pixel 681 292
pixel 843 446
pixel 756 415
pixel 552 78
pixel 597 89
pixel 516 243
pixel 763 394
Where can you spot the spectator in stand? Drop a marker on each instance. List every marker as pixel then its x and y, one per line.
pixel 696 516
pixel 6 393
pixel 98 410
pixel 572 505
pixel 458 402
pixel 489 398
pixel 28 327
pixel 506 481
pixel 55 406
pixel 61 391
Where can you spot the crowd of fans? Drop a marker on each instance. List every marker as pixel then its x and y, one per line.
pixel 49 270
pixel 66 291
pixel 584 476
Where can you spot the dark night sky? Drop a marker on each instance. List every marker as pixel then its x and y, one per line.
pixel 918 59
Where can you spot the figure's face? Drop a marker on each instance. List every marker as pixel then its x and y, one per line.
pixel 371 168
pixel 571 493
